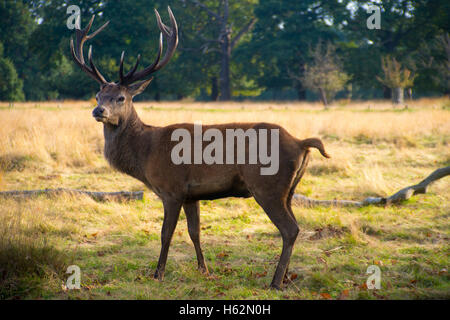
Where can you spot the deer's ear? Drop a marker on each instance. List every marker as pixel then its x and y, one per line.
pixel 139 87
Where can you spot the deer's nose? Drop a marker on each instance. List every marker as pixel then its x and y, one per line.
pixel 98 112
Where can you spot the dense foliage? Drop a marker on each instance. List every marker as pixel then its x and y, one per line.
pixel 269 57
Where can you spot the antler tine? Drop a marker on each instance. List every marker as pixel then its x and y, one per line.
pixel 124 79
pixel 93 34
pixel 150 69
pixel 171 34
pixel 80 64
pixel 131 76
pixel 77 52
pixel 121 67
pixel 132 71
pixel 172 38
pixel 81 38
pixel 94 68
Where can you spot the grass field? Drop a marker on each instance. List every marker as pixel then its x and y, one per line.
pixel 376 149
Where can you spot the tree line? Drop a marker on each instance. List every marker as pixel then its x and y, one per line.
pixel 234 49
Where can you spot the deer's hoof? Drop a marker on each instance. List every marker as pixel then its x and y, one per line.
pixel 203 270
pixel 159 275
pixel 275 286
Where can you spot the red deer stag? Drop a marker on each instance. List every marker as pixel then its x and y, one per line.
pixel 144 152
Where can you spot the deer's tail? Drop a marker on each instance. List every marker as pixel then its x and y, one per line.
pixel 314 143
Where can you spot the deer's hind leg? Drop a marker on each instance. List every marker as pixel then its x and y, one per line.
pixel 298 176
pixel 192 211
pixel 281 216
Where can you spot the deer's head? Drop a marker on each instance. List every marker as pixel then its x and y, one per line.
pixel 114 100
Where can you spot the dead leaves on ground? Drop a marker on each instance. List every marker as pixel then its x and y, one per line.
pixel 344 295
pixel 330 251
pixel 290 278
pixel 323 261
pixel 326 232
pixel 260 274
pixel 326 296
pixel 222 255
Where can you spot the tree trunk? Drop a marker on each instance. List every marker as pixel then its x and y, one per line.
pixel 300 71
pixel 301 92
pixel 225 44
pixel 397 97
pixel 323 97
pixel 409 94
pixel 225 90
pixel 214 89
pixel 157 93
pixel 387 93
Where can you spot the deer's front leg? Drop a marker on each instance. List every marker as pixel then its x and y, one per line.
pixel 171 213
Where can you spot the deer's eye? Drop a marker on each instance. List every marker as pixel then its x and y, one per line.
pixel 121 99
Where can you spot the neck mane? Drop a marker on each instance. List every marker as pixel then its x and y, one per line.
pixel 123 148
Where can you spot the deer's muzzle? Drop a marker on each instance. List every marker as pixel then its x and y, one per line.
pixel 99 113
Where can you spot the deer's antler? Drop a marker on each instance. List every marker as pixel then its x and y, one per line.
pixel 77 52
pixel 171 35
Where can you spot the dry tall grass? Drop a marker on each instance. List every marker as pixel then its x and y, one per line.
pixel 64 134
pixel 375 151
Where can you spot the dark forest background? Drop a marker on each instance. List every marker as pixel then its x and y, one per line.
pixel 228 49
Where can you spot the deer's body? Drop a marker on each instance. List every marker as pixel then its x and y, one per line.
pixel 144 152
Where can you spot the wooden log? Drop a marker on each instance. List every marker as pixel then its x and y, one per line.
pixel 299 199
pixel 419 188
pixel 99 196
pixel 398 197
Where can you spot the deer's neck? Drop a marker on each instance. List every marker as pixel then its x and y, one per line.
pixel 125 148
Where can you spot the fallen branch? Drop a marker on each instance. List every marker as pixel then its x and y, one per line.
pixel 299 199
pixel 397 197
pixel 100 196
